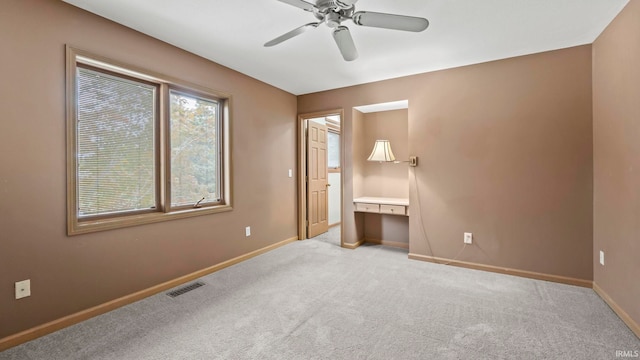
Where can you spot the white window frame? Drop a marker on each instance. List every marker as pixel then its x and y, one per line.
pixel 163 210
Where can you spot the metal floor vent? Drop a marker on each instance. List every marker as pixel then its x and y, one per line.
pixel 185 289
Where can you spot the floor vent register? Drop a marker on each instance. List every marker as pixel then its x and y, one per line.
pixel 185 289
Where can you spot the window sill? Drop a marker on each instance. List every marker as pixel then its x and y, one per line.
pixel 75 227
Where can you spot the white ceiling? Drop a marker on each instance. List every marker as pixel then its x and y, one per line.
pixel 461 32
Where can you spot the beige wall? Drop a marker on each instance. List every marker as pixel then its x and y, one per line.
pixel 355 149
pixel 69 274
pixel 385 180
pixel 352 135
pixel 505 152
pixel 616 129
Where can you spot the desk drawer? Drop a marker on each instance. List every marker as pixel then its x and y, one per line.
pixel 392 209
pixel 374 208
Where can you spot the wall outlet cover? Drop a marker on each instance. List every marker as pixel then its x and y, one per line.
pixel 468 238
pixel 247 231
pixel 23 289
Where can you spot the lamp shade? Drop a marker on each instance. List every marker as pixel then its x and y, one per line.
pixel 382 151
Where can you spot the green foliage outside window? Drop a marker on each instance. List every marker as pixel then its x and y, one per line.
pixel 194 149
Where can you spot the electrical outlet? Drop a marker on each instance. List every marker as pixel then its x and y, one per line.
pixel 468 238
pixel 247 231
pixel 23 288
pixel 290 173
pixel 601 257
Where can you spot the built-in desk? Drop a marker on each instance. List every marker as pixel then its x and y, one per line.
pixel 382 205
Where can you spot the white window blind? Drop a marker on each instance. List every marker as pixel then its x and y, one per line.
pixel 116 169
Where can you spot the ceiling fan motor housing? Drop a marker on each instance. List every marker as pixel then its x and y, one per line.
pixel 333 19
pixel 324 6
pixel 333 12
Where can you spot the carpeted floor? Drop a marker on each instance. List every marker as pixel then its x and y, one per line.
pixel 314 300
pixel 331 237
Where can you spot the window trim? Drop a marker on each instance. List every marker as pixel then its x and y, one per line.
pixel 80 225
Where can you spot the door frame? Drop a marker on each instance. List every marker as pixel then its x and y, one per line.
pixel 302 170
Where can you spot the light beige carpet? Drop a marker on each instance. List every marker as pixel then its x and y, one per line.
pixel 314 300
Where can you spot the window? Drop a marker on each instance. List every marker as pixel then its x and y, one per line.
pixel 195 170
pixel 333 150
pixel 115 127
pixel 141 148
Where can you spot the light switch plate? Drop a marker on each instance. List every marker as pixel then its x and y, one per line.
pixel 601 257
pixel 247 231
pixel 23 288
pixel 468 238
pixel 290 173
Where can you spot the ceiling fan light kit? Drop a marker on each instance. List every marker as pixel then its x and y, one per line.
pixel 334 12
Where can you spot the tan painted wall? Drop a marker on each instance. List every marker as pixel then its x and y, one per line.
pixel 505 152
pixel 616 129
pixel 356 143
pixel 69 274
pixel 352 221
pixel 385 180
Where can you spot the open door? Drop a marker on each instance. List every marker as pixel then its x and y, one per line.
pixel 317 180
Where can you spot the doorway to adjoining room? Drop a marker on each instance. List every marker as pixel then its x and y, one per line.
pixel 320 173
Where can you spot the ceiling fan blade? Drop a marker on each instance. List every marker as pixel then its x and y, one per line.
pixel 343 39
pixel 346 4
pixel 390 21
pixel 300 4
pixel 291 34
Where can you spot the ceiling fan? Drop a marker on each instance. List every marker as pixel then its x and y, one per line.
pixel 334 12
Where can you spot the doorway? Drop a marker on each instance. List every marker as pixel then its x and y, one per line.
pixel 320 180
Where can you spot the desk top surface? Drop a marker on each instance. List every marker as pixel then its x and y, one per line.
pixel 382 200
